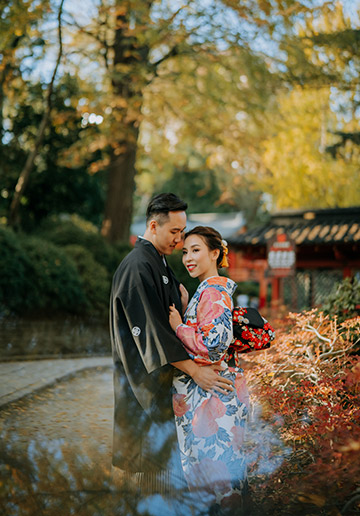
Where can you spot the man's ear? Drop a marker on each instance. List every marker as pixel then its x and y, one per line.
pixel 153 226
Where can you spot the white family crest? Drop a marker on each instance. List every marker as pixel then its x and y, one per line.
pixel 136 331
pixel 165 280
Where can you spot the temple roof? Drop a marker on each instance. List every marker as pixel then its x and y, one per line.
pixel 325 226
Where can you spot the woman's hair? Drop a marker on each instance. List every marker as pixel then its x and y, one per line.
pixel 213 240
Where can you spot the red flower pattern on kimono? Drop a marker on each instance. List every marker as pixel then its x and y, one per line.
pixel 238 439
pixel 204 423
pixel 197 338
pixel 242 390
pixel 211 432
pixel 179 404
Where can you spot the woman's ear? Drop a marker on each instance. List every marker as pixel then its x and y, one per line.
pixel 215 254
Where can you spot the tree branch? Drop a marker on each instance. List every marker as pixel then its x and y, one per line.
pixel 13 219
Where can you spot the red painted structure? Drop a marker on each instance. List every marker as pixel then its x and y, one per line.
pixel 327 248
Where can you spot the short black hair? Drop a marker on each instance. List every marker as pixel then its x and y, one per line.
pixel 161 204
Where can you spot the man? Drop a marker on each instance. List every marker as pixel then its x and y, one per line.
pixel 145 349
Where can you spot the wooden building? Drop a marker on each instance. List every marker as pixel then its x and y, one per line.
pixel 313 250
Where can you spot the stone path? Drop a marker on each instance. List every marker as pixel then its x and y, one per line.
pixel 20 378
pixel 56 439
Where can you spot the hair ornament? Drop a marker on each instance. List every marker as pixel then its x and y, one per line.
pixel 224 262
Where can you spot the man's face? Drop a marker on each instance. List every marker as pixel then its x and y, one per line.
pixel 169 234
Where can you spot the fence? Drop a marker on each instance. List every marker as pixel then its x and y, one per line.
pixel 309 287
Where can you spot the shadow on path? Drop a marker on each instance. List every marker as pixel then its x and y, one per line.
pixel 56 455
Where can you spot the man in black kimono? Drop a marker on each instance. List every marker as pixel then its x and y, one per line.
pixel 145 349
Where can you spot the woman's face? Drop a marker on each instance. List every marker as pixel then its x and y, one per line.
pixel 199 260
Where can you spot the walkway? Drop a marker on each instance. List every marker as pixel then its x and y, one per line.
pixel 24 377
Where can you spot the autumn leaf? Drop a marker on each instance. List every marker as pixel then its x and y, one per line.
pixel 313 498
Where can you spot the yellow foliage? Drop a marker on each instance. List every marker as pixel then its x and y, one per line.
pixel 299 171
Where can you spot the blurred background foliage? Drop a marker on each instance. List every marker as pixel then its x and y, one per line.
pixel 103 104
pixel 344 301
pixel 65 270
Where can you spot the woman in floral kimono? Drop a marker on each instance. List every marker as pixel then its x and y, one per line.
pixel 210 425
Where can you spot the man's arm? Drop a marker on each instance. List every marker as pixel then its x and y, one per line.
pixel 140 320
pixel 205 376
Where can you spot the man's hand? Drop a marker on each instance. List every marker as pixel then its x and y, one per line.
pixel 205 376
pixel 208 379
pixel 184 297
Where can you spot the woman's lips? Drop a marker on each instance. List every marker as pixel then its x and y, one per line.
pixel 191 267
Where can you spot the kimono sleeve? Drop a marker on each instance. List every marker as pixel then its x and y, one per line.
pixel 145 326
pixel 209 339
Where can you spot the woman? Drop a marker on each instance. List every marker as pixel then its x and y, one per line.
pixel 210 425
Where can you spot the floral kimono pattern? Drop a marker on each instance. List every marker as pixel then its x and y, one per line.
pixel 210 426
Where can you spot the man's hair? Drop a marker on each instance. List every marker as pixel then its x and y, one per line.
pixel 161 204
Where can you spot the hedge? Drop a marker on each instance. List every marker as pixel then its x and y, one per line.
pixel 74 230
pixel 55 279
pixel 15 277
pixel 94 278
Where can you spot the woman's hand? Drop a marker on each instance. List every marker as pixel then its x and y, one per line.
pixel 174 317
pixel 184 297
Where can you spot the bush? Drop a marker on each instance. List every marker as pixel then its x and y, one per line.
pixel 344 303
pixel 249 288
pixel 76 231
pixel 54 277
pixel 308 384
pixel 122 250
pixel 94 278
pixel 15 280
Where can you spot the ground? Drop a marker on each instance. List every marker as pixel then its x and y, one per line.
pixel 56 448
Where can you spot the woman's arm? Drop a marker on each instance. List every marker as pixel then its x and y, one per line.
pixel 206 377
pixel 213 328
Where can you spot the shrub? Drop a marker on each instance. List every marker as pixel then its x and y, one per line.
pixel 344 303
pixel 309 384
pixel 249 288
pixel 74 230
pixel 122 249
pixel 94 278
pixel 54 276
pixel 15 284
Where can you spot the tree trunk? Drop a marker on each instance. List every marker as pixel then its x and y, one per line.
pixel 119 200
pixel 128 85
